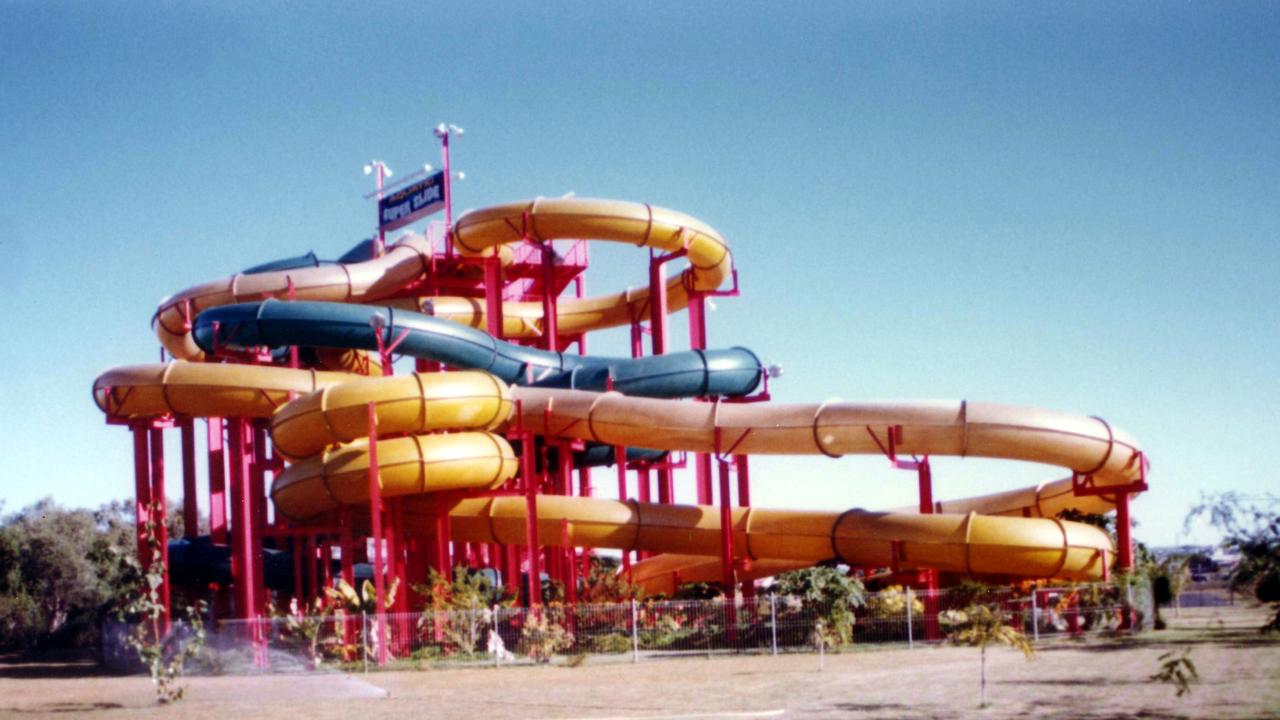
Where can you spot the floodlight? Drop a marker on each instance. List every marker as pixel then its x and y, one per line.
pixel 368 169
pixel 774 370
pixel 427 168
pixel 462 175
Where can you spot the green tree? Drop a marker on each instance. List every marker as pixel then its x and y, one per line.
pixel 164 654
pixel 1250 526
pixel 62 570
pixel 983 625
pixel 828 593
pixel 463 608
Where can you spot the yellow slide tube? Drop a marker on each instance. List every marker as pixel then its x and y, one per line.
pixel 406 259
pixel 413 465
pixel 480 231
pixel 774 538
pixel 415 403
pixel 970 544
pixel 957 428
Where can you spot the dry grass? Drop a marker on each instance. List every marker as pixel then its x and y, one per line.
pixel 1097 678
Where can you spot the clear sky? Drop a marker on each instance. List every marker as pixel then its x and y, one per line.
pixel 1066 205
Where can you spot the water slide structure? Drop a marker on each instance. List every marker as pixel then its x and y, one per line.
pixel 489 453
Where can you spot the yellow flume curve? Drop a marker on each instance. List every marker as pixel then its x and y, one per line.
pixel 203 389
pixel 331 408
pixel 410 464
pixel 406 259
pixel 971 544
pixel 479 233
pixel 414 465
pixel 956 428
pixel 415 403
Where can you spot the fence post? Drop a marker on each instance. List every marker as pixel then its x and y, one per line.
pixel 1035 618
pixel 364 639
pixel 910 633
pixel 773 621
pixel 635 632
pixel 822 648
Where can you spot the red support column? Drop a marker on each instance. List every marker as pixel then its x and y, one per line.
pixel 443 559
pixel 258 487
pixel 932 631
pixel 1124 533
pixel 160 507
pixel 493 295
pixel 243 561
pixel 742 465
pixel 726 554
pixel 550 324
pixel 347 547
pixel 531 519
pixel 620 460
pixel 190 499
pixel 142 491
pixel 375 521
pixel 217 483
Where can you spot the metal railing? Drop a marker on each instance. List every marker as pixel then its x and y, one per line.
pixel 637 631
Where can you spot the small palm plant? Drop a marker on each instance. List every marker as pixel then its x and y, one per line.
pixel 983 625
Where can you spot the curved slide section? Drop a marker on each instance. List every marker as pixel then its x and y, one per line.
pixel 481 233
pixel 963 429
pixel 325 482
pixel 969 544
pixel 404 261
pixel 735 371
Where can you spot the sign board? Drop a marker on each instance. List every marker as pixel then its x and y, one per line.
pixel 412 202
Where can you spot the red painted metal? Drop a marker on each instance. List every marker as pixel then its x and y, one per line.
pixel 142 490
pixel 1124 533
pixel 190 498
pixel 620 461
pixel 160 510
pixel 728 580
pixel 243 561
pixel 531 517
pixel 658 307
pixel 375 522
pixel 258 485
pixel 493 296
pixel 726 531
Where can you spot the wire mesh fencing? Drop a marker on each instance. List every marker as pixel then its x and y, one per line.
pixel 640 630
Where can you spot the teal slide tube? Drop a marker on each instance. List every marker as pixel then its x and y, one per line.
pixel 728 372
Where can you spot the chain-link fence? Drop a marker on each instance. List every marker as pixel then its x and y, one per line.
pixel 639 630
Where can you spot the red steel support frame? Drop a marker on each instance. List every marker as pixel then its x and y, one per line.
pixel 375 522
pixel 1124 533
pixel 217 482
pixel 159 518
pixel 190 499
pixel 529 481
pixel 658 310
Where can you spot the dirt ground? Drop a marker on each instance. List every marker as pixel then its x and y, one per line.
pixel 1094 678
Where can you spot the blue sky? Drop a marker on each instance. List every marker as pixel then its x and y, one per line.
pixel 1070 206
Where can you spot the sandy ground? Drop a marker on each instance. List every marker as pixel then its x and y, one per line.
pixel 1097 678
